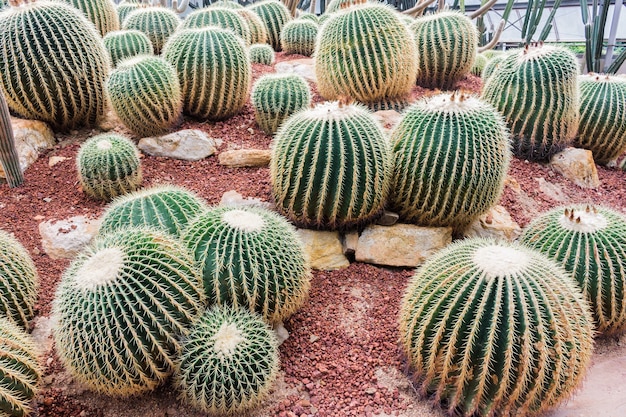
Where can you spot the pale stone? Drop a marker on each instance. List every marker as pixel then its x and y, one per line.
pixel 237 158
pixel 496 223
pixel 63 239
pixel 389 218
pixel 233 199
pixel 350 242
pixel 32 137
pixel 281 333
pixel 323 249
pixel 304 67
pixel 42 332
pixel 109 121
pixel 552 191
pixel 53 160
pixel 400 244
pixel 576 165
pixel 189 144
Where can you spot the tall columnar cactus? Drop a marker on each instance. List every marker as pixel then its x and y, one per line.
pixel 108 165
pixel 330 167
pixel 145 94
pixel 275 97
pixel 124 9
pixel 258 31
pixel 536 89
pixel 220 17
pixel 451 159
pixel 102 13
pixel 158 23
pixel 495 329
pixel 261 53
pixel 274 15
pixel 251 258
pixel 168 208
pixel 228 362
pixel 123 44
pixel 602 127
pixel 298 37
pixel 60 82
pixel 122 306
pixel 368 54
pixel 447 44
pixel 20 372
pixel 214 84
pixel 18 281
pixel 590 243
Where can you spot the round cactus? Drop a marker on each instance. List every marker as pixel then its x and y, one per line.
pixel 228 362
pixel 261 54
pixel 368 54
pixel 20 372
pixel 451 159
pixel 158 23
pixel 446 45
pixel 122 306
pixel 330 167
pixel 590 243
pixel 125 8
pixel 168 208
pixel 215 85
pixel 479 65
pixel 602 127
pixel 258 31
pixel 338 5
pixel 298 37
pixel 495 328
pixel 227 4
pixel 536 89
pixel 145 95
pixel 251 258
pixel 275 97
pixel 309 16
pixel 123 44
pixel 274 15
pixel 220 17
pixel 492 64
pixel 108 165
pixel 102 13
pixel 18 281
pixel 60 82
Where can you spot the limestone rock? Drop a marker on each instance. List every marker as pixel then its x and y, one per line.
pixel 233 199
pixel 31 138
pixel 496 223
pixel 324 249
pixel 576 165
pixel 400 244
pixel 189 144
pixel 281 333
pixel 304 67
pixel 237 158
pixel 350 242
pixel 63 239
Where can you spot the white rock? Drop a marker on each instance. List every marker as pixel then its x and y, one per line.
pixel 238 158
pixel 42 332
pixel 350 242
pixel 496 223
pixel 304 67
pixel 233 199
pixel 63 239
pixel 281 333
pixel 31 138
pixel 578 166
pixel 189 144
pixel 324 249
pixel 53 160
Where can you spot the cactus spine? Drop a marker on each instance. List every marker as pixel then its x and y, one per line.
pixel 258 31
pixel 101 13
pixel 298 37
pixel 158 23
pixel 495 329
pixel 220 17
pixel 123 44
pixel 261 54
pixel 274 15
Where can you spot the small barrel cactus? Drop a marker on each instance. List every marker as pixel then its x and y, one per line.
pixel 101 13
pixel 479 65
pixel 602 127
pixel 298 37
pixel 20 372
pixel 145 94
pixel 158 23
pixel 251 258
pixel 451 159
pixel 309 16
pixel 227 4
pixel 590 243
pixel 18 281
pixel 330 167
pixel 220 17
pixel 122 306
pixel 536 89
pixel 338 5
pixel 125 8
pixel 491 66
pixel 108 165
pixel 258 31
pixel 123 44
pixel 274 15
pixel 261 53
pixel 276 97
pixel 168 208
pixel 214 84
pixel 228 362
pixel 495 329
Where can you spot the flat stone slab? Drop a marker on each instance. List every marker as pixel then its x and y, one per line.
pixel 324 249
pixel 63 239
pixel 239 158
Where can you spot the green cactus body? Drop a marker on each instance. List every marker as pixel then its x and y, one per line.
pixel 490 67
pixel 323 18
pixel 251 258
pixel 122 306
pixel 18 281
pixel 261 53
pixel 495 329
pixel 145 95
pixel 258 31
pixel 215 85
pixel 465 142
pixel 275 97
pixel 102 13
pixel 298 37
pixel 158 23
pixel 123 44
pixel 228 362
pixel 479 65
pixel 20 372
pixel 536 89
pixel 366 53
pixel 124 9
pixel 226 4
pixel 220 17
pixel 446 45
pixel 309 16
pixel 338 5
pixel 590 243
pixel 47 80
pixel 167 208
pixel 108 165
pixel 602 127
pixel 274 15
pixel 330 167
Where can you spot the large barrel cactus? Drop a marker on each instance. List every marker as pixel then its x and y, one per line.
pixel 228 362
pixel 220 17
pixel 330 167
pixel 451 158
pixel 536 89
pixel 261 54
pixel 298 37
pixel 102 13
pixel 214 84
pixel 122 306
pixel 123 44
pixel 274 15
pixel 590 243
pixel 258 31
pixel 251 258
pixel 495 329
pixel 60 82
pixel 158 23
pixel 368 54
